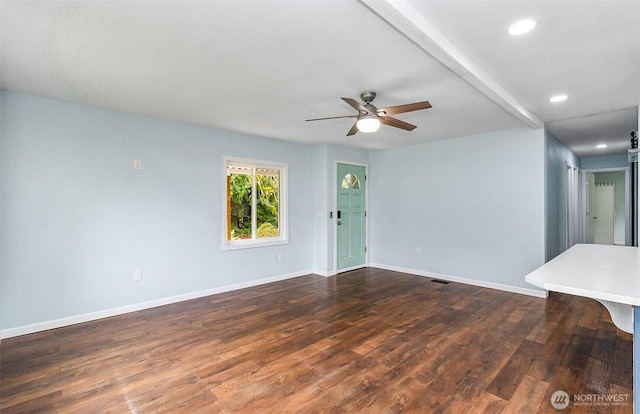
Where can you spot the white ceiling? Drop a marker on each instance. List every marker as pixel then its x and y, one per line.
pixel 263 67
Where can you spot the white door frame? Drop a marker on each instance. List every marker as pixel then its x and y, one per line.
pixel 572 198
pixel 627 201
pixel 583 202
pixel 335 220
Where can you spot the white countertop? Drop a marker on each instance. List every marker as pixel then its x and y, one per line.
pixel 605 273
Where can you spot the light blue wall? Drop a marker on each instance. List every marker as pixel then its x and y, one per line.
pixel 321 210
pixel 610 161
pixel 474 205
pixel 78 219
pixel 557 156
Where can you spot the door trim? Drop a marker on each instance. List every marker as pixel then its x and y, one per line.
pixel 335 221
pixel 627 201
pixel 572 200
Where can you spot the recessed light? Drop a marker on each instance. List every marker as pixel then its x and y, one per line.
pixel 558 98
pixel 601 146
pixel 522 27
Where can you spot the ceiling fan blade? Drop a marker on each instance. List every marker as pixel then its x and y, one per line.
pixel 356 105
pixel 332 117
pixel 394 122
pixel 353 129
pixel 400 109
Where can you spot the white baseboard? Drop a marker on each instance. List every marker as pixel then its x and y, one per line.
pixel 329 273
pixel 348 269
pixel 482 283
pixel 324 273
pixel 72 320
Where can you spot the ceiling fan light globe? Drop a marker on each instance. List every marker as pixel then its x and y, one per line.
pixel 368 124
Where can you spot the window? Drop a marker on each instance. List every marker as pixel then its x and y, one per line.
pixel 256 200
pixel 351 181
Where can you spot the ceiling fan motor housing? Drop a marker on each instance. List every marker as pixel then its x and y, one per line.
pixel 367 96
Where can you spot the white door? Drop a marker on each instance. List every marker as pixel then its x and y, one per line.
pixel 601 213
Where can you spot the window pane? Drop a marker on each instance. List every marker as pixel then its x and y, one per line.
pixel 239 202
pixel 267 202
pixel 355 181
pixel 256 205
pixel 350 181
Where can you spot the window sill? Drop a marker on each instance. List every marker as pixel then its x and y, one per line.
pixel 250 244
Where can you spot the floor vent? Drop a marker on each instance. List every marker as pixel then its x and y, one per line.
pixel 444 282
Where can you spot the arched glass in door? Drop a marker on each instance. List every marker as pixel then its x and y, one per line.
pixel 351 181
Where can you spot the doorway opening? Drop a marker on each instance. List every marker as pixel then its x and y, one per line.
pixel 606 207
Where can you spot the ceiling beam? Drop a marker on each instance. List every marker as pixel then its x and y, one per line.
pixel 402 17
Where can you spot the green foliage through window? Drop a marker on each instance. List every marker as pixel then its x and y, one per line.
pixel 253 201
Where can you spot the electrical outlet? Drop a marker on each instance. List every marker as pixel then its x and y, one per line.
pixel 137 275
pixel 418 251
pixel 280 256
pixel 137 164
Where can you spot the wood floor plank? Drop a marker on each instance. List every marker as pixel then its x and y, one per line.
pixel 528 397
pixel 622 364
pixel 578 348
pixel 366 341
pixel 563 379
pixel 487 403
pixel 597 375
pixel 557 345
pixel 398 399
pixel 543 330
pixel 494 357
pixel 512 374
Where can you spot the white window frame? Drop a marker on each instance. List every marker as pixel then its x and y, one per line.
pixel 283 202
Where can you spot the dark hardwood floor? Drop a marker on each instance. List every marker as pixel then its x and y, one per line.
pixel 368 341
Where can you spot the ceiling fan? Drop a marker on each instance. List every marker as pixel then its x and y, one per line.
pixel 369 117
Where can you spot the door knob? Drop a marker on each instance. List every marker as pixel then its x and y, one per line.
pixel 339 222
